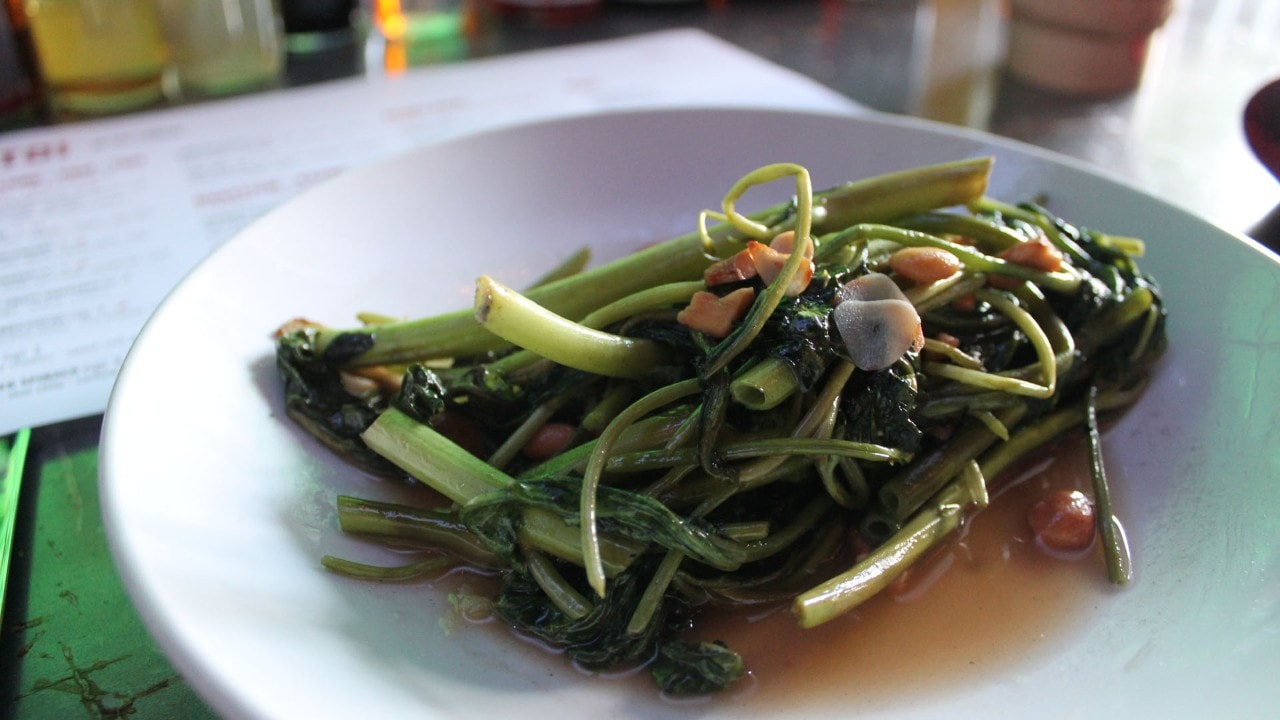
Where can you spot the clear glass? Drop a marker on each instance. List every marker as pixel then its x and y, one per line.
pixel 223 46
pixel 98 56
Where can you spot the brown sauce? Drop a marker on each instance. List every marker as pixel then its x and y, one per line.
pixel 986 604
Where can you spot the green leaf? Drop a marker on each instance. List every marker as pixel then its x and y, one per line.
pixel 316 399
pixel 496 515
pixel 881 411
pixel 695 668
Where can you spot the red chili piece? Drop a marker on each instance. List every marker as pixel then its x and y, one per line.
pixel 1063 521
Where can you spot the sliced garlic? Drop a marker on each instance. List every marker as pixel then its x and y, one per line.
pixel 872 286
pixel 876 321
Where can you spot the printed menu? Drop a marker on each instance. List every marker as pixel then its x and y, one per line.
pixel 99 220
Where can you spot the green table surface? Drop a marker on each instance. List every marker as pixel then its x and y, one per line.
pixel 71 644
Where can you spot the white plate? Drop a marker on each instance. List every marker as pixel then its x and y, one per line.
pixel 218 509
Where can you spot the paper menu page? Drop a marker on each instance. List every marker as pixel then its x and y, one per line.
pixel 99 220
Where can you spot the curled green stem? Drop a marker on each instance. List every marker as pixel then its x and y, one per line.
pixel 767 301
pixel 590 534
pixel 1048 366
pixel 975 260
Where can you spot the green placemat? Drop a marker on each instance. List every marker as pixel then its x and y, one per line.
pixel 13 459
pixel 71 645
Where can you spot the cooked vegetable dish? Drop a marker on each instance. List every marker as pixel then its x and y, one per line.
pixel 790 406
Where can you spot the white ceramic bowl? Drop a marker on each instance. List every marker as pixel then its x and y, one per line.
pixel 218 509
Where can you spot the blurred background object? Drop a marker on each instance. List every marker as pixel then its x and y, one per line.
pixel 317 25
pixel 408 33
pixel 222 46
pixel 1083 46
pixel 98 56
pixel 321 39
pixel 19 83
pixel 1262 130
pixel 1262 125
pixel 546 13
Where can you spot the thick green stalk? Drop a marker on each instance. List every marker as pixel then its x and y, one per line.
pixel 456 333
pixel 983 231
pixel 904 493
pixel 395 573
pixel 845 591
pixel 663 296
pixel 764 385
pixel 547 531
pixel 522 322
pixel 561 594
pixel 432 458
pixel 439 463
pixel 393 521
pixel 654 593
pixel 877 199
pixel 883 198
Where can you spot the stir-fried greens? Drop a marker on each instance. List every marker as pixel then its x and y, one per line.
pixel 791 406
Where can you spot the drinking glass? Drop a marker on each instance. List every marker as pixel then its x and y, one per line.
pixel 98 56
pixel 223 46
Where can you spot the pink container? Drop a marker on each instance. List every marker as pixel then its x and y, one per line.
pixel 1083 47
